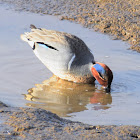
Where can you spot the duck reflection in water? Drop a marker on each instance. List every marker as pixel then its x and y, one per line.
pixel 64 97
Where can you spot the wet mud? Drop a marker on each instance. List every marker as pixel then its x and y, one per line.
pixel 120 18
pixel 30 123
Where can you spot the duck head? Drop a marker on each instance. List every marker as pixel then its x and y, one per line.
pixel 102 74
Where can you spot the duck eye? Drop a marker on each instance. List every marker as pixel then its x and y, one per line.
pixel 46 46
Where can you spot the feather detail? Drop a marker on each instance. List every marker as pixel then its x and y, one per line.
pixel 70 62
pixel 31 43
pixel 32 26
pixel 41 44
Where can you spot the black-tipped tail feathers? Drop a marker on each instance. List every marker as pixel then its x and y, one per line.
pixel 32 26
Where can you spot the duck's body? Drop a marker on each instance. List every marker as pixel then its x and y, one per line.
pixel 64 54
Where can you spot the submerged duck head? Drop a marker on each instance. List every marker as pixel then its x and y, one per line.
pixel 67 56
pixel 102 74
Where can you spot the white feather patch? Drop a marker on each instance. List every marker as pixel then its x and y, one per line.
pixel 23 37
pixel 70 62
pixel 31 43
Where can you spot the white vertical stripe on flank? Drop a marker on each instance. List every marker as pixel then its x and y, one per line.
pixel 70 62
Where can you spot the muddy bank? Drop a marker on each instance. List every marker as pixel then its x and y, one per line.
pixel 30 123
pixel 24 123
pixel 120 18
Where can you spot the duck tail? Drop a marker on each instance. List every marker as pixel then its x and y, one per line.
pixel 32 26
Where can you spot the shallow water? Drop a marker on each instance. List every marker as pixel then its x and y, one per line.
pixel 21 70
pixel 63 97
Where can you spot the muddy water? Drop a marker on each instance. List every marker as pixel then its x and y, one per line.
pixel 21 70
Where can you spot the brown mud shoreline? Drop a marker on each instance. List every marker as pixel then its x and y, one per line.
pixel 30 123
pixel 119 18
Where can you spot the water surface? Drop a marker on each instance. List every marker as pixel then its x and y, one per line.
pixel 21 70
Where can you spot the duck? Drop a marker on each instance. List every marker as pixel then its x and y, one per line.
pixel 67 57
